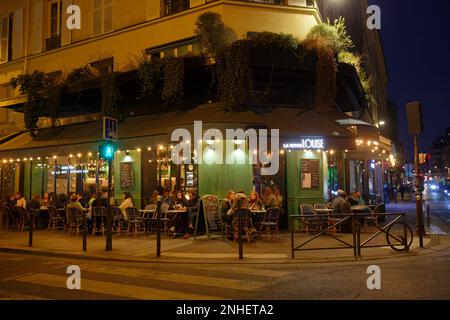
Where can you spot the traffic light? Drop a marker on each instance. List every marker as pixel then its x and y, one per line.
pixel 107 151
pixel 414 112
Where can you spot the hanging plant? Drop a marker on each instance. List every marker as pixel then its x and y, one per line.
pixel 326 87
pixel 235 76
pixel 110 96
pixel 150 75
pixel 173 87
pixel 214 35
pixel 34 86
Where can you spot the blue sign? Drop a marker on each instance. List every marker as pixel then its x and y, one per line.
pixel 110 127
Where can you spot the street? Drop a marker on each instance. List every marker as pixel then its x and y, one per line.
pixel 423 276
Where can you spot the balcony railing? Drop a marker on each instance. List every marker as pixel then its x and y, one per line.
pixel 169 7
pixel 53 43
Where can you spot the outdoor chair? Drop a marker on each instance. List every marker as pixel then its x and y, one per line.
pixel 135 221
pixel 270 223
pixel 56 221
pixel 76 220
pixel 118 219
pixel 6 218
pixel 374 218
pixel 99 216
pixel 149 217
pixel 308 223
pixel 23 218
pixel 165 219
pixel 247 229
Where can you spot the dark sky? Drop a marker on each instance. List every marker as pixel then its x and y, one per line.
pixel 416 40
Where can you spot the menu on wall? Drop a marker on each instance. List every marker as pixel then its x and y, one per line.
pixel 310 171
pixel 126 176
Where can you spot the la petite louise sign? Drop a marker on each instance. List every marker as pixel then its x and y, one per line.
pixel 316 144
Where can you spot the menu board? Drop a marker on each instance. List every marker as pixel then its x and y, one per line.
pixel 209 219
pixel 126 176
pixel 310 174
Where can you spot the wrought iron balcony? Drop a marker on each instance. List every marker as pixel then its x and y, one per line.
pixel 53 43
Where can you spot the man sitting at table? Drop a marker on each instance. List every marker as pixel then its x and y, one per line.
pixel 355 199
pixel 74 203
pixel 341 206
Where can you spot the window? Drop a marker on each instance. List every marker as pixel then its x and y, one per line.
pixel 55 18
pixel 6 39
pixel 55 23
pixel 103 13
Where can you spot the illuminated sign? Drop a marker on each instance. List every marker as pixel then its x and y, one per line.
pixel 306 144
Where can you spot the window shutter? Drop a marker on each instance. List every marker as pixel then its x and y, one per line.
pixel 153 9
pixel 4 31
pixel 97 17
pixel 66 34
pixel 37 15
pixel 108 15
pixel 18 34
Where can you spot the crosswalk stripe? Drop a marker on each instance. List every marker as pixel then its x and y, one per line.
pixel 243 270
pixel 225 283
pixel 111 288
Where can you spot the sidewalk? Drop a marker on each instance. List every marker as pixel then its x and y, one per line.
pixel 217 250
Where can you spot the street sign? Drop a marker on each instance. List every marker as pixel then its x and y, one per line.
pixel 110 127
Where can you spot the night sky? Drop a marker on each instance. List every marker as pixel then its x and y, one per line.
pixel 416 40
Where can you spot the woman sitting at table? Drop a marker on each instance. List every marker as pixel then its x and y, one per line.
pixel 255 203
pixel 74 203
pixel 180 220
pixel 126 203
pixel 226 213
pixel 45 201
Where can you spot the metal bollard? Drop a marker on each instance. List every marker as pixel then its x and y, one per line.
pixel 241 244
pixel 158 229
pixel 84 232
pixel 30 233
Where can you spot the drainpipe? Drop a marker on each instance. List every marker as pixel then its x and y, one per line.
pixel 27 36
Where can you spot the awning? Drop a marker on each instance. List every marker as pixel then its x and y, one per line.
pixel 155 129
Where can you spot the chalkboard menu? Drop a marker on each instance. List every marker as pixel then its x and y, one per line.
pixel 208 219
pixel 126 176
pixel 310 173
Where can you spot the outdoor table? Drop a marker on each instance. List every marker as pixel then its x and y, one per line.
pixel 361 209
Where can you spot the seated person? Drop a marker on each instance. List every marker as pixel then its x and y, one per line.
pixel 194 205
pixel 126 203
pixel 180 220
pixel 255 203
pixel 20 200
pixel 167 199
pixel 355 199
pixel 74 203
pixel 226 213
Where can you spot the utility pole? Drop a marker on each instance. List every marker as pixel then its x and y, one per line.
pixel 415 127
pixel 419 195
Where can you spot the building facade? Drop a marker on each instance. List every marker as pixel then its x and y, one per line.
pixel 115 35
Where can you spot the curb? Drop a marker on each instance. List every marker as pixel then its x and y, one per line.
pixel 434 246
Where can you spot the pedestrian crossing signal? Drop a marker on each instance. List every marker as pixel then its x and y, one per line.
pixel 107 151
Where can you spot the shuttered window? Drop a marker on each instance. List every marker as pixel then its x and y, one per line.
pixel 55 18
pixel 103 13
pixel 4 39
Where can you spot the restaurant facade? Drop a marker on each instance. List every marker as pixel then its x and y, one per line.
pixel 319 152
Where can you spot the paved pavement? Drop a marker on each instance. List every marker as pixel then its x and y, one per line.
pixel 419 274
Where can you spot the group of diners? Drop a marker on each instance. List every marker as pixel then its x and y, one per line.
pixel 254 202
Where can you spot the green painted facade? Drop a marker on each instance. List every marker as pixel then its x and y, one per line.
pixel 134 157
pixel 298 195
